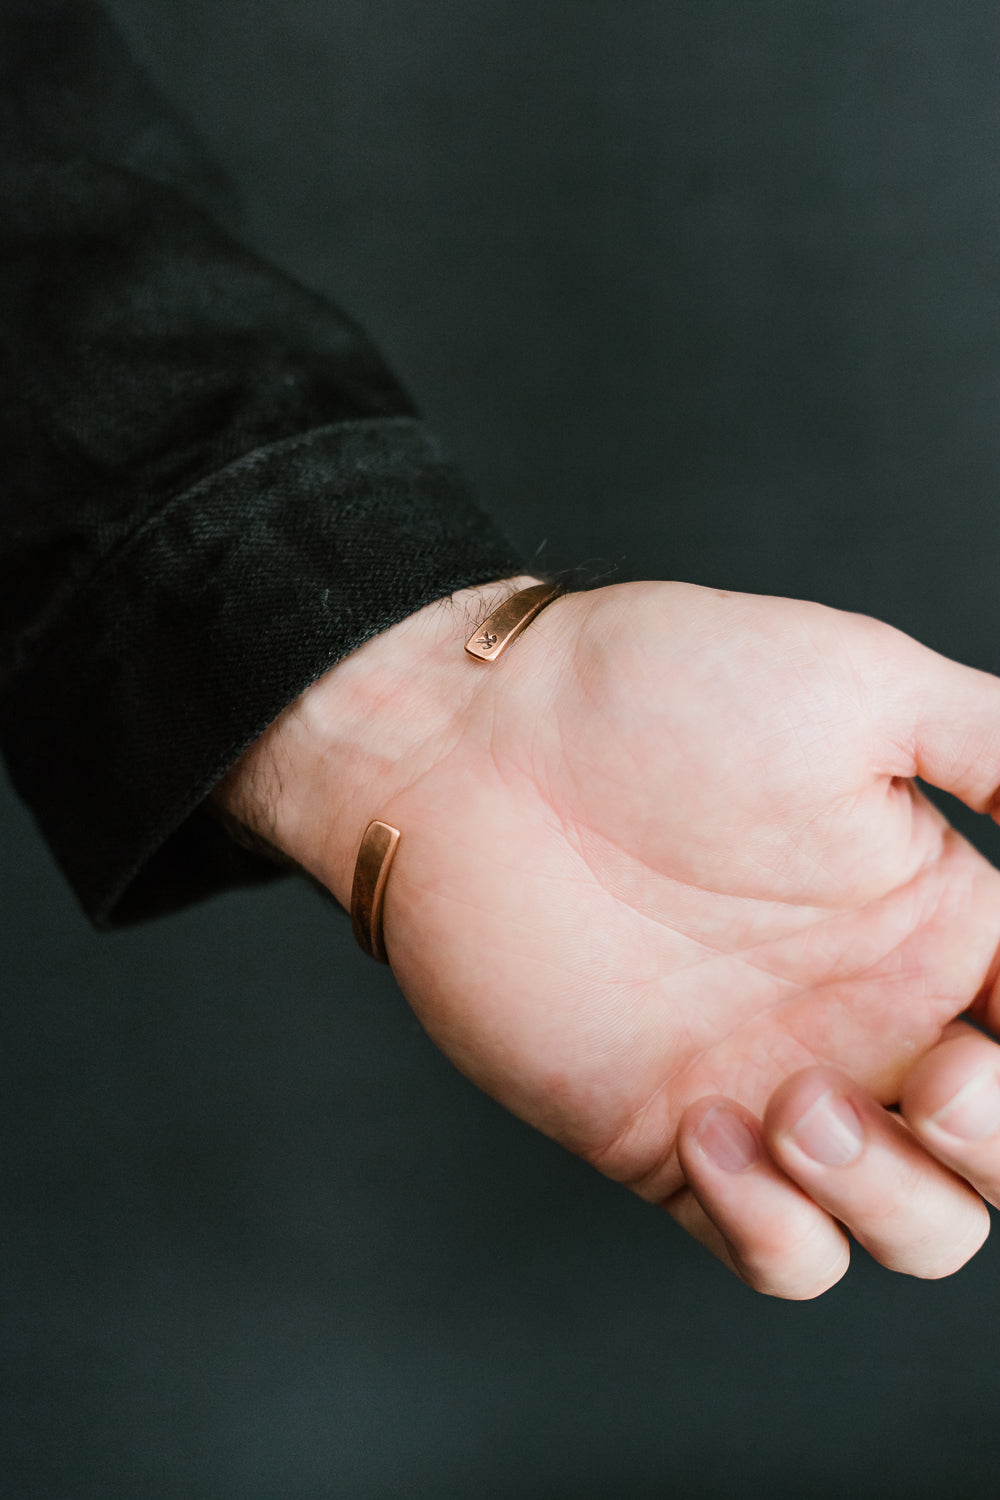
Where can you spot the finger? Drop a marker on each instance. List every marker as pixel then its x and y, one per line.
pixel 751 1215
pixel 685 1209
pixel 951 1102
pixel 944 718
pixel 865 1167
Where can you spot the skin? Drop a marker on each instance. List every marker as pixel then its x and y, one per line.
pixel 664 867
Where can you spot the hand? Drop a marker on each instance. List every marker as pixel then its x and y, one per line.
pixel 770 1198
pixel 668 847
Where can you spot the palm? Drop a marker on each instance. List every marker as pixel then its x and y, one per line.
pixel 673 855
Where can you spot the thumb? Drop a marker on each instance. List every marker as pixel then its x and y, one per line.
pixel 944 719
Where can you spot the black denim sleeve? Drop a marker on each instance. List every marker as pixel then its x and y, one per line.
pixel 212 487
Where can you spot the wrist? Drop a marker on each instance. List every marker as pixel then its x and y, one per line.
pixel 360 735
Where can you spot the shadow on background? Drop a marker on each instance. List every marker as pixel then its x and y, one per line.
pixel 702 291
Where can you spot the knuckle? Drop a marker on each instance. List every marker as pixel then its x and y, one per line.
pixel 793 1280
pixel 945 1260
pixel 793 1259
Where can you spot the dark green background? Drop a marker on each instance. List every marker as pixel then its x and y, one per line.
pixel 701 290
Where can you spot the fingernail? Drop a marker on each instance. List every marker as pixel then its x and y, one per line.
pixel 974 1112
pixel 829 1131
pixel 727 1140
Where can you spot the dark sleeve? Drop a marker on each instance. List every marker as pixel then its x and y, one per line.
pixel 212 487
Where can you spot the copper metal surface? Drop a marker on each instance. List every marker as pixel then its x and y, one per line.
pixel 368 893
pixel 505 624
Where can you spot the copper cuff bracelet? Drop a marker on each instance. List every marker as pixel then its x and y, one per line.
pixel 378 845
pixel 371 871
